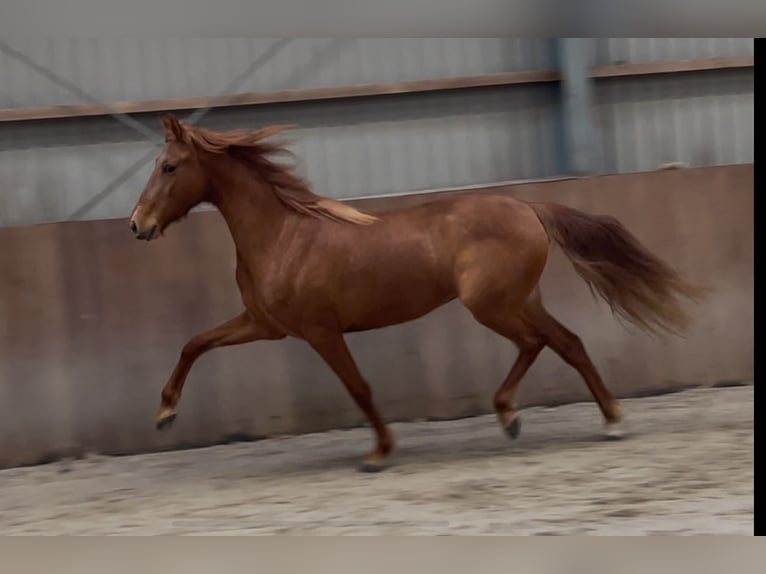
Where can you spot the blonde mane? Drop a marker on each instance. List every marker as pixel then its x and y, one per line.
pixel 291 189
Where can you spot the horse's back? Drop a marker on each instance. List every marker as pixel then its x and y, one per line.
pixel 465 202
pixel 472 217
pixel 411 260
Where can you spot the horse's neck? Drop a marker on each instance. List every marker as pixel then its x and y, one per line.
pixel 252 212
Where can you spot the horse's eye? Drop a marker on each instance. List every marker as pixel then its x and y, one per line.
pixel 167 168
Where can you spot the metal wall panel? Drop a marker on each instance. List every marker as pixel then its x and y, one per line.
pixel 700 119
pixel 121 69
pixel 362 147
pixel 638 50
pixel 348 148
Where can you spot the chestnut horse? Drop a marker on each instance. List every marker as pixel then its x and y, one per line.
pixel 314 268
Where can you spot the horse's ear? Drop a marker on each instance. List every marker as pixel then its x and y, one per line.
pixel 173 128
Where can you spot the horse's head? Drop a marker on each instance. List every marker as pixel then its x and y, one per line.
pixel 177 184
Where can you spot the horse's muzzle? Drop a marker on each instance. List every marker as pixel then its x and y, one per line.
pixel 145 235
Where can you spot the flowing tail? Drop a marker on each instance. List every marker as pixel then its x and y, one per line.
pixel 638 286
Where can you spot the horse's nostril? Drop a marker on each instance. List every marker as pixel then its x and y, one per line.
pixel 133 226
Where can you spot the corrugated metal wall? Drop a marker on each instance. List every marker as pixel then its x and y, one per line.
pixel 139 69
pixel 638 50
pixel 364 146
pixel 347 148
pixel 700 119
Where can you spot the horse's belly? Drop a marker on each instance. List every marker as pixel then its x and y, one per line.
pixel 396 304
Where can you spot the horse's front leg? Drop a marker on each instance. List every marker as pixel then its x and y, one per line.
pixel 333 349
pixel 241 329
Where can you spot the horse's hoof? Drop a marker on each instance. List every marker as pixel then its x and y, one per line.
pixel 166 421
pixel 614 431
pixel 514 428
pixel 371 465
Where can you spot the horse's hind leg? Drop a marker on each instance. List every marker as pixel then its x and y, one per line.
pixel 496 297
pixel 570 348
pixel 529 342
pixel 506 317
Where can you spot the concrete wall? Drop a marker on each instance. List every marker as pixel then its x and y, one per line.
pixel 91 323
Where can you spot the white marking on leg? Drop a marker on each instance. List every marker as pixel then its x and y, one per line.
pixel 614 431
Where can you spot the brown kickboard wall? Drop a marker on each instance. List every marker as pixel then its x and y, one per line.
pixel 92 321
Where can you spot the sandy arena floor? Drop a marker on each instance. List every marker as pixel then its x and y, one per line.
pixel 685 468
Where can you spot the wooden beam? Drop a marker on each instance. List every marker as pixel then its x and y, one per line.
pixel 676 66
pixel 278 97
pixel 364 90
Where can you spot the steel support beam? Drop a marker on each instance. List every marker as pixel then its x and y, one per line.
pixel 576 106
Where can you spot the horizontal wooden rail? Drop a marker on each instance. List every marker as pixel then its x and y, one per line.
pixel 363 90
pixel 279 97
pixel 649 68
